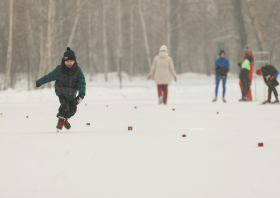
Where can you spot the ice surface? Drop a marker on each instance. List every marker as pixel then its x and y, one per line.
pixel 219 157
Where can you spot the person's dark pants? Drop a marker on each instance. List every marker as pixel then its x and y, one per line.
pixel 163 91
pixel 270 90
pixel 66 109
pixel 244 77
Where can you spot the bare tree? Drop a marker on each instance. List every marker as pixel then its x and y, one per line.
pixel 168 26
pixel 10 45
pixel 105 39
pixel 79 6
pixel 92 39
pixel 146 43
pixel 261 41
pixel 119 40
pixel 239 23
pixel 131 39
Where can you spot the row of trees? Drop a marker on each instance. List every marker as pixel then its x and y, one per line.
pixel 109 35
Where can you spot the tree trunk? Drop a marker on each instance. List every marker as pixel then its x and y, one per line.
pixel 261 41
pixel 50 26
pixel 50 35
pixel 119 40
pixel 131 39
pixel 79 5
pixel 168 26
pixel 239 23
pixel 42 43
pixel 92 39
pixel 10 46
pixel 146 43
pixel 90 44
pixel 105 40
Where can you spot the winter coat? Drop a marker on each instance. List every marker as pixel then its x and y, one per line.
pixel 80 83
pixel 221 67
pixel 162 68
pixel 251 66
pixel 268 71
pixel 246 65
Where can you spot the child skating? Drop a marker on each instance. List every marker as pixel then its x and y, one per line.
pixel 270 75
pixel 221 70
pixel 69 79
pixel 244 77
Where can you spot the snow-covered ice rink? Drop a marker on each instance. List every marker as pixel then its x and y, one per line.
pixel 219 158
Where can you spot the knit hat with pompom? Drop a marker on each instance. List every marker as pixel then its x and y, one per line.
pixel 163 48
pixel 69 55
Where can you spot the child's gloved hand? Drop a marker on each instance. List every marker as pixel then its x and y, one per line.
pixel 78 99
pixel 37 84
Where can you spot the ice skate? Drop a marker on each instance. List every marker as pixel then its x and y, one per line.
pixel 224 100
pixel 244 99
pixel 60 123
pixel 160 99
pixel 266 102
pixel 67 124
pixel 275 102
pixel 215 99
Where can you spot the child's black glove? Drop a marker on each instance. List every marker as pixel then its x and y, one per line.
pixel 37 84
pixel 250 58
pixel 78 99
pixel 239 64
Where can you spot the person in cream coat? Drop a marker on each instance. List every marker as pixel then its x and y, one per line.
pixel 162 69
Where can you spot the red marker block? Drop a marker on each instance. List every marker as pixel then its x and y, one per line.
pixel 135 107
pixel 107 105
pixel 260 144
pixel 26 116
pixel 217 112
pixel 1 114
pixel 86 104
pixel 130 128
pixel 173 109
pixel 88 123
pixel 184 135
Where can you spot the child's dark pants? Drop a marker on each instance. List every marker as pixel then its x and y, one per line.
pixel 271 89
pixel 66 109
pixel 244 77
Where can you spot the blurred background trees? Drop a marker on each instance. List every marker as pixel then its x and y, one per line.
pixel 109 35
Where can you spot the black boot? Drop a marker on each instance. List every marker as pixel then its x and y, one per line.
pixel 275 102
pixel 266 101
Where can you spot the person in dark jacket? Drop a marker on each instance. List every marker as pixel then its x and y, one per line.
pixel 270 74
pixel 244 76
pixel 221 69
pixel 69 79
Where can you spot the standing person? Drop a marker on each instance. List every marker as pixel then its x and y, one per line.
pixel 244 77
pixel 246 53
pixel 270 75
pixel 221 68
pixel 162 68
pixel 69 79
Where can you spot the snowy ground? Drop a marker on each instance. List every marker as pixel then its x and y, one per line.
pixel 219 158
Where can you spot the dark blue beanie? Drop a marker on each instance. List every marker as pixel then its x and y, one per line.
pixel 69 55
pixel 222 52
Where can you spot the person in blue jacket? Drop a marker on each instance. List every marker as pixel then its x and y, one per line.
pixel 221 70
pixel 69 79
